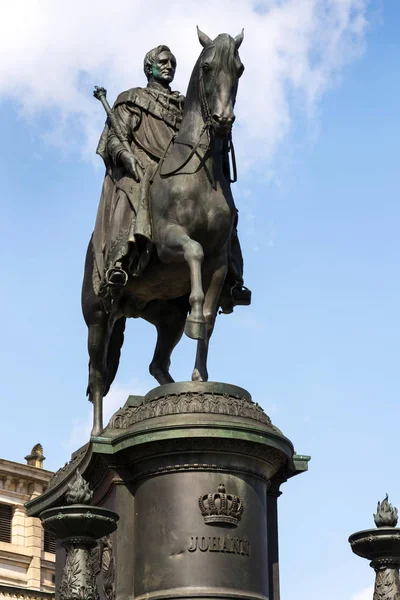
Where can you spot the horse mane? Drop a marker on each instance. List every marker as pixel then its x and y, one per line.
pixel 192 98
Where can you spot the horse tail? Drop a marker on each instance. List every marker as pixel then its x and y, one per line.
pixel 114 352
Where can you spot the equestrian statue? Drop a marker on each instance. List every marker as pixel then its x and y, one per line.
pixel 165 244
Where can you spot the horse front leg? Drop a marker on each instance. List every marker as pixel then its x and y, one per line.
pixel 178 245
pixel 195 327
pixel 213 293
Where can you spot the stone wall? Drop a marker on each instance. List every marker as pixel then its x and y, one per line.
pixel 25 568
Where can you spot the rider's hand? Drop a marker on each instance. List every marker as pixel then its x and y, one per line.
pixel 132 165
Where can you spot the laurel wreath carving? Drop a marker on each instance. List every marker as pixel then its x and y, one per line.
pixel 190 402
pixel 78 582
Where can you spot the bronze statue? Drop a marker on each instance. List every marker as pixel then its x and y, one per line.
pixel 165 245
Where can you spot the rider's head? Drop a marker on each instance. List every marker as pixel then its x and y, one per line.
pixel 159 65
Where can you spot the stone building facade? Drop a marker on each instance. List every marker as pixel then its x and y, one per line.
pixel 27 558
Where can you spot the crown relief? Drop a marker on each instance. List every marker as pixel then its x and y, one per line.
pixel 221 507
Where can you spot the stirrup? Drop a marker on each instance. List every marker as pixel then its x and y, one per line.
pixel 116 277
pixel 241 295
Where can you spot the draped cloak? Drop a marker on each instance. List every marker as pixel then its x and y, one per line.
pixel 148 117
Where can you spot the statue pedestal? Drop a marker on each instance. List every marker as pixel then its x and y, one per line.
pixel 193 470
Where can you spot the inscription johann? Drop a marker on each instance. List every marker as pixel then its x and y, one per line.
pixel 226 544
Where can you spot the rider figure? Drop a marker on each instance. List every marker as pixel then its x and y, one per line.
pixel 148 117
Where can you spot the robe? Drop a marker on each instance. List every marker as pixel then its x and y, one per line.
pixel 148 118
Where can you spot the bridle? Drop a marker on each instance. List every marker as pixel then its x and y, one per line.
pixel 208 121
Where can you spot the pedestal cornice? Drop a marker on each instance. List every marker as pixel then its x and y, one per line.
pixel 193 419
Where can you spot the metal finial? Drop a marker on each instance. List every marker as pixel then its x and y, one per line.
pixel 386 514
pixel 78 491
pixel 99 91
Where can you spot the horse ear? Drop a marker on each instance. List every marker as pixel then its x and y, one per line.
pixel 203 38
pixel 239 39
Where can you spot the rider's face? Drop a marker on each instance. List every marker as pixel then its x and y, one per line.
pixel 163 69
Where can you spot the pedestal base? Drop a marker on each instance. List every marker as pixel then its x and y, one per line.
pixel 188 468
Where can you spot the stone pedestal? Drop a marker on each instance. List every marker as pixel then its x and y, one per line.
pixel 193 470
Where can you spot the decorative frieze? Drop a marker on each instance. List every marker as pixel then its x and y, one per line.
pixel 190 402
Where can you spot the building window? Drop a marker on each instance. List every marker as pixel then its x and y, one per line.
pixel 5 523
pixel 49 542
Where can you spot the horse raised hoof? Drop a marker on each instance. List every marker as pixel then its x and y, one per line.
pixel 195 329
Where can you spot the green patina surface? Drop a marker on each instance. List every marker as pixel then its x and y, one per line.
pixel 112 445
pixel 188 428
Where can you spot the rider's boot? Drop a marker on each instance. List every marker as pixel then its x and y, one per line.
pixel 241 295
pixel 234 295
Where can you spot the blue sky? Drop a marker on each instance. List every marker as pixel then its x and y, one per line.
pixel 319 225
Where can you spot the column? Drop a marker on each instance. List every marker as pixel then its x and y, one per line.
pixel 18 526
pixel 273 546
pixel 387 583
pixel 33 543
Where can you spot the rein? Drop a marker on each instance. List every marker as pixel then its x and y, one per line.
pixel 188 159
pixel 206 127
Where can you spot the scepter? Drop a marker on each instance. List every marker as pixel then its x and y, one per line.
pixel 100 93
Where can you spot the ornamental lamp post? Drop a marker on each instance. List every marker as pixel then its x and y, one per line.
pixel 382 547
pixel 79 525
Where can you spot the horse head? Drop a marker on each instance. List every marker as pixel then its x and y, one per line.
pixel 219 69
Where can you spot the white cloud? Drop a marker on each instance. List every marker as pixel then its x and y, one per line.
pixel 53 52
pixel 365 594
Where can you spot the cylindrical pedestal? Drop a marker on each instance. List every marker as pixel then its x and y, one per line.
pixel 189 469
pixel 177 554
pixel 179 448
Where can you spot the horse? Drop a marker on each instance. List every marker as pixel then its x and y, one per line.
pixel 193 214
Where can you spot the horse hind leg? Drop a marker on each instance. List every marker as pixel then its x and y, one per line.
pixel 97 347
pixel 169 317
pixel 114 351
pixel 97 322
